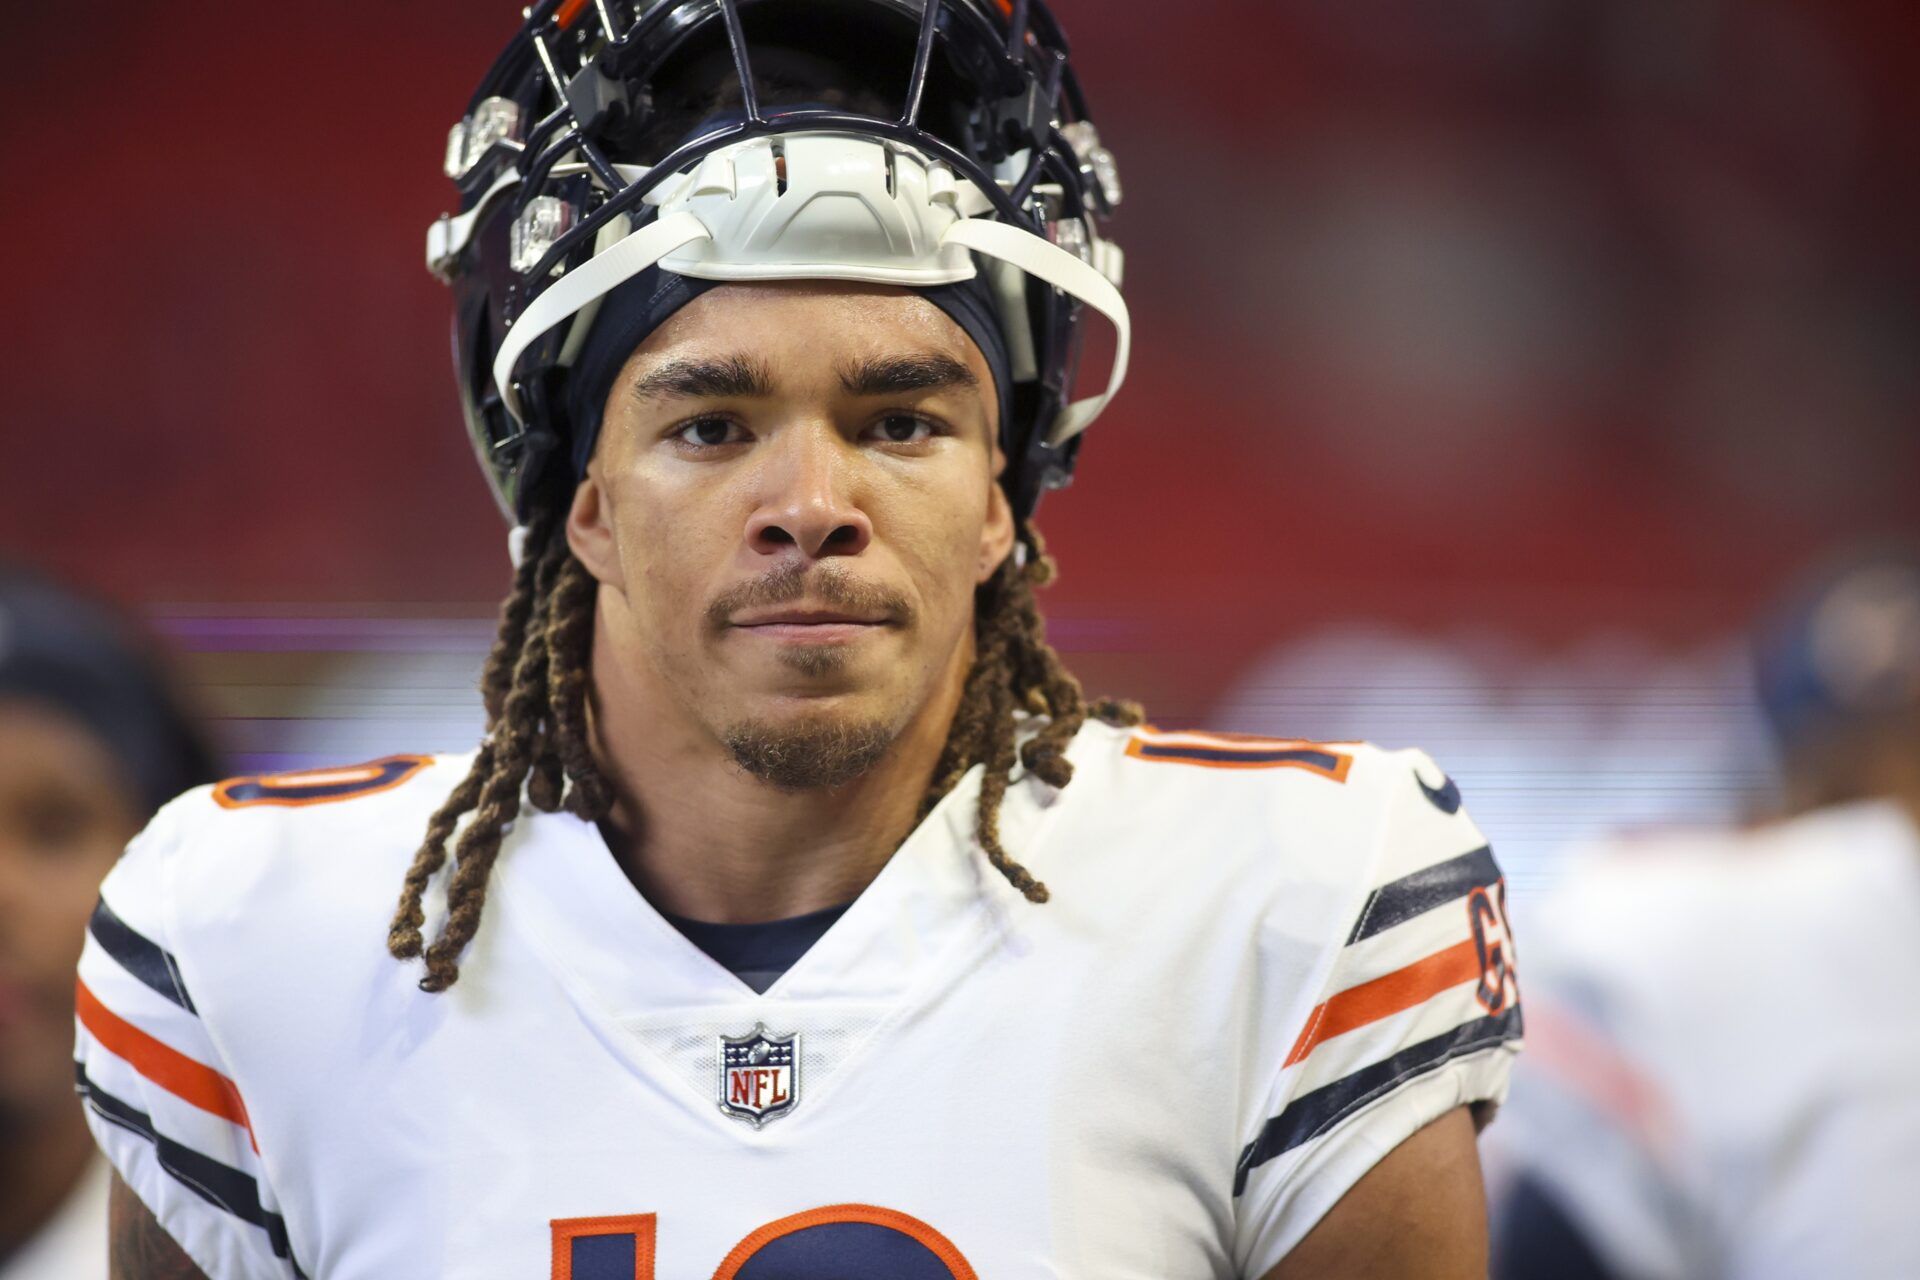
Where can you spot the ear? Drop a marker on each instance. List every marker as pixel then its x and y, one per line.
pixel 996 535
pixel 590 533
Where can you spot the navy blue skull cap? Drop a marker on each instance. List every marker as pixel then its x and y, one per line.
pixel 641 305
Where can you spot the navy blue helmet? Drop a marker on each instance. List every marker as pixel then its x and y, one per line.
pixel 1842 649
pixel 912 142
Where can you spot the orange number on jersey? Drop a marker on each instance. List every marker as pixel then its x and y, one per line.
pixel 322 786
pixel 619 1248
pixel 1237 751
pixel 1493 945
pixel 865 1241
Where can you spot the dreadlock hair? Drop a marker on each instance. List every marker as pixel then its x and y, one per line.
pixel 534 685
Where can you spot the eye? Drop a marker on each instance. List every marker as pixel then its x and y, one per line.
pixel 901 428
pixel 709 432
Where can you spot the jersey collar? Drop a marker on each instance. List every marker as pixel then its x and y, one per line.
pixel 560 886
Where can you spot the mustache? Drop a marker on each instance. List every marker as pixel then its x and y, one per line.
pixel 828 585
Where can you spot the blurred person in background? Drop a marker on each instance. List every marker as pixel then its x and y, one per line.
pixel 92 742
pixel 1726 1025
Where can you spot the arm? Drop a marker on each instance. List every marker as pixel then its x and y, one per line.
pixel 161 1101
pixel 1420 1214
pixel 138 1247
pixel 1359 1164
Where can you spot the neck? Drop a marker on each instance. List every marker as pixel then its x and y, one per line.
pixel 705 839
pixel 41 1161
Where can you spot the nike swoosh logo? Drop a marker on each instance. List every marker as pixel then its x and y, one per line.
pixel 1446 797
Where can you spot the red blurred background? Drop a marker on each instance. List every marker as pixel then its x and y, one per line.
pixel 1537 336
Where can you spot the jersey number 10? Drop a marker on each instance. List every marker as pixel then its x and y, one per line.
pixel 837 1242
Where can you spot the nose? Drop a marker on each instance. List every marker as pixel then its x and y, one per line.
pixel 806 499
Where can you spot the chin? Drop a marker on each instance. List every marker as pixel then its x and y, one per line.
pixel 811 749
pixel 817 705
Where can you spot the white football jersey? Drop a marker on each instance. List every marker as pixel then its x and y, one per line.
pixel 1264 965
pixel 1726 1071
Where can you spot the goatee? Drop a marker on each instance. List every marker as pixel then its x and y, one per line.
pixel 808 756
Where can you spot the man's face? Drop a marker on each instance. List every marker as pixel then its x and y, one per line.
pixel 791 502
pixel 64 818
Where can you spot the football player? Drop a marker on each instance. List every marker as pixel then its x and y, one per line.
pixel 92 742
pixel 1727 1076
pixel 797 916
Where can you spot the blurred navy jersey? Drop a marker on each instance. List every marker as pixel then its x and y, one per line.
pixel 1534 1239
pixel 1726 1070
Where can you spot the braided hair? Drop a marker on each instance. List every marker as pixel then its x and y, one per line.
pixel 535 683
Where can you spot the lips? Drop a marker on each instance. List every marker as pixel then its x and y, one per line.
pixel 804 625
pixel 806 618
pixel 798 598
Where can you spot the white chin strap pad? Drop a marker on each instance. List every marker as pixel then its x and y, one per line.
pixel 851 209
pixel 1049 262
pixel 591 280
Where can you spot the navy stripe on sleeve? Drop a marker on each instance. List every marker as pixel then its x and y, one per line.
pixel 139 956
pixel 1319 1110
pixel 221 1186
pixel 1425 889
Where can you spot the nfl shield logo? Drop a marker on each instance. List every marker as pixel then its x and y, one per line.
pixel 759 1075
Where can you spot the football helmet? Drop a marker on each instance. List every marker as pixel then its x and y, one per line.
pixel 1842 649
pixel 911 142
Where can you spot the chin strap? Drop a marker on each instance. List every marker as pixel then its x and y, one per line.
pixel 588 282
pixel 887 254
pixel 1067 273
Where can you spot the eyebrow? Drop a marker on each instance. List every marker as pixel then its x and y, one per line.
pixel 744 377
pixel 899 375
pixel 726 377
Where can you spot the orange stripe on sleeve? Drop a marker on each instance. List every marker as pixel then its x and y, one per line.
pixel 179 1075
pixel 1402 989
pixel 1590 1065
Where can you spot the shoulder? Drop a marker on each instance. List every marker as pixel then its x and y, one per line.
pixel 254 846
pixel 1346 921
pixel 1632 912
pixel 274 814
pixel 1343 779
pixel 1303 867
pixel 232 942
pixel 1787 866
pixel 1348 814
